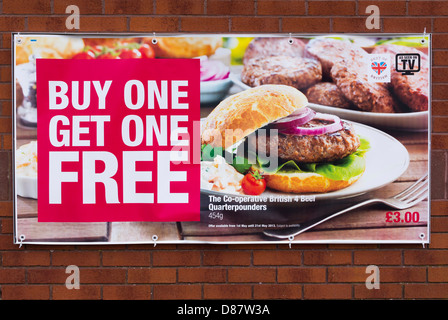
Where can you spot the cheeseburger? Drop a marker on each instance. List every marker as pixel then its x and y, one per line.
pixel 314 152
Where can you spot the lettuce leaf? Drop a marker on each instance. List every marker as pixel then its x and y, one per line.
pixel 343 169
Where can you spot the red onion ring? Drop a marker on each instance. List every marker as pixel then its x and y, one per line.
pixel 336 125
pixel 213 70
pixel 295 119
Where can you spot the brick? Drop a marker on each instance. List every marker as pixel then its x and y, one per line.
pixel 7 141
pixel 176 258
pixel 230 7
pixel 381 257
pixel 26 258
pixel 440 41
pixel 42 23
pixel 387 8
pixel 5 124
pixel 180 7
pixel 27 6
pixel 127 292
pixel 206 275
pixel 78 258
pixel 440 24
pixel 226 258
pixel 277 291
pixel 5 175
pixel 305 24
pixel 439 224
pixel 301 275
pixel 154 24
pixel 12 275
pixel 438 274
pixel 327 291
pixel 12 24
pixel 425 257
pixel 118 7
pixel 25 292
pixel 280 258
pixel 281 8
pixel 327 257
pixel 261 275
pixel 85 6
pixel 177 292
pixel 440 92
pixel 126 258
pixel 5 73
pixel 440 58
pixel 152 275
pixel 438 172
pixel 5 91
pixel 254 24
pixel 5 58
pixel 6 225
pixel 102 275
pixel 6 209
pixel 439 124
pixel 6 108
pixel 347 274
pixel 406 25
pixel 350 24
pixel 47 275
pixel 402 274
pixel 426 291
pixel 428 8
pixel 385 291
pixel 227 291
pixel 331 8
pixel 439 75
pixel 439 241
pixel 204 24
pixel 439 207
pixel 85 292
pixel 111 24
pixel 439 141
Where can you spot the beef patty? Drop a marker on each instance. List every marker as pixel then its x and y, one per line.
pixel 297 72
pixel 329 51
pixel 308 148
pixel 412 90
pixel 266 47
pixel 327 94
pixel 353 82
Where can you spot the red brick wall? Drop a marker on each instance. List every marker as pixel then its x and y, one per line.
pixel 228 271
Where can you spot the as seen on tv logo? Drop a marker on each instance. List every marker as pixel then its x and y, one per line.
pixel 407 63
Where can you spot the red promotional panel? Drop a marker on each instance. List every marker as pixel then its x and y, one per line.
pixel 116 140
pixel 213 138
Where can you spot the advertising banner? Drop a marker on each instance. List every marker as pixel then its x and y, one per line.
pixel 260 138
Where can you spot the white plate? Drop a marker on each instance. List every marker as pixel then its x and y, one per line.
pixel 386 160
pixel 413 121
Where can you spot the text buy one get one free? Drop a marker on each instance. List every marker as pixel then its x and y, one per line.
pixel 115 140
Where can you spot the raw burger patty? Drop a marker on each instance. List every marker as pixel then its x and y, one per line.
pixel 266 47
pixel 327 94
pixel 297 72
pixel 329 51
pixel 412 90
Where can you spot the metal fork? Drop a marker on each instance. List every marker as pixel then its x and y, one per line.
pixel 403 200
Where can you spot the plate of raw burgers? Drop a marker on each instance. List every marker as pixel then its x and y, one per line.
pixel 331 73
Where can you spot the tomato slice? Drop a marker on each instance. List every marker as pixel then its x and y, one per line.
pixel 84 55
pixel 107 56
pixel 253 183
pixel 130 54
pixel 147 52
